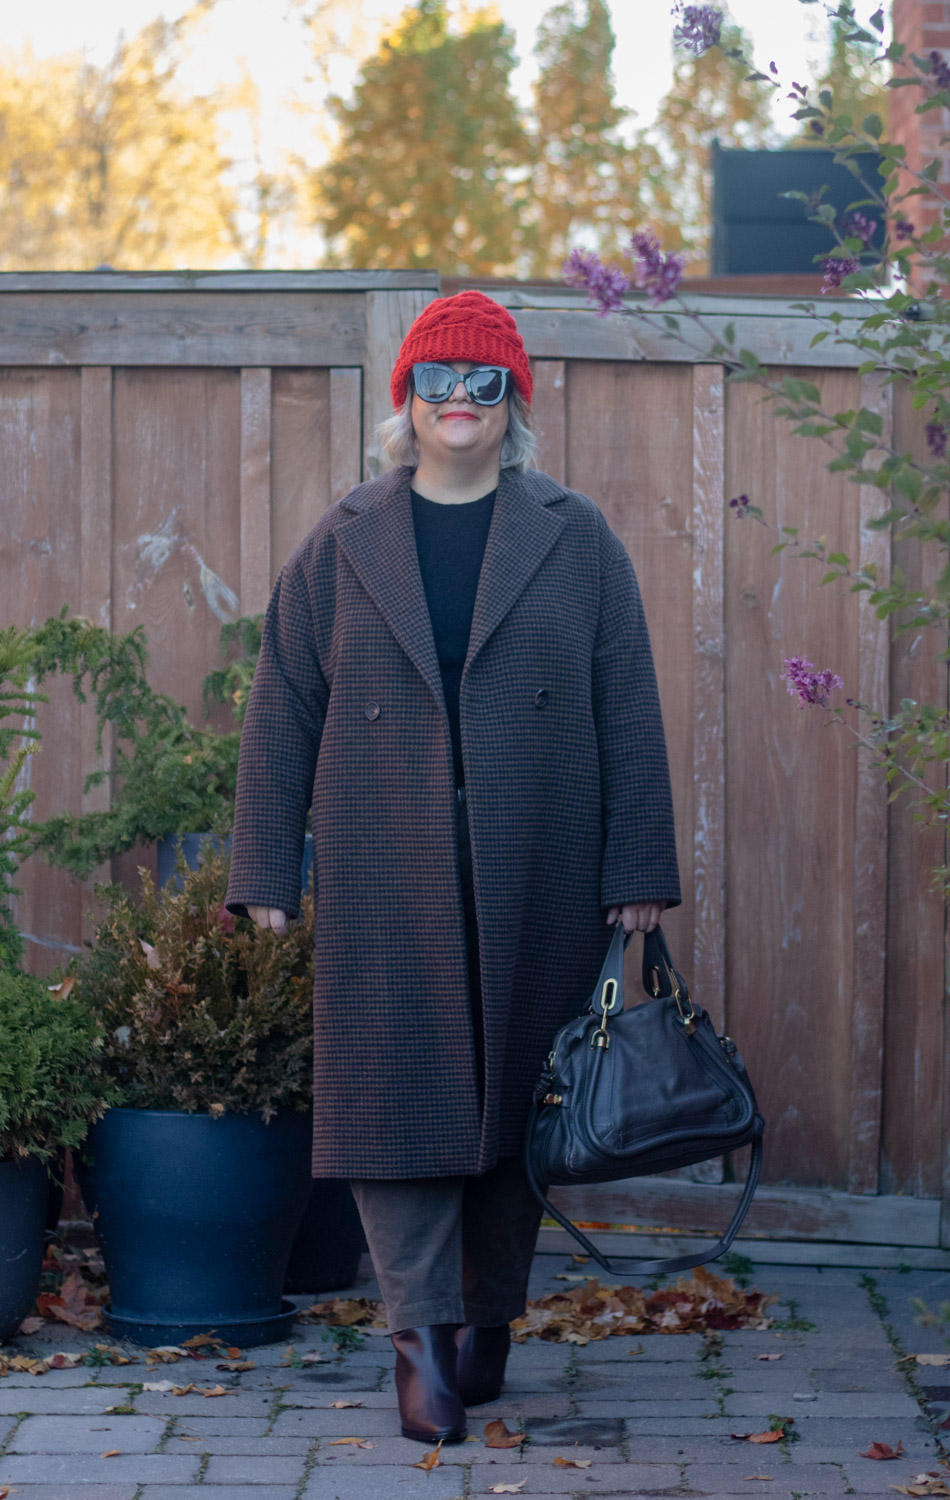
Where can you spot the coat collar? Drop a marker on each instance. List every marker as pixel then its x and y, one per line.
pixel 376 532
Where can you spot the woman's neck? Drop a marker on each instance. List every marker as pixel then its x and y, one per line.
pixel 453 485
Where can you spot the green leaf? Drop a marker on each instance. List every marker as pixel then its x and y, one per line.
pixel 841 558
pixel 819 337
pixel 870 421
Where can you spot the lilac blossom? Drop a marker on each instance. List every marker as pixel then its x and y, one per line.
pixel 606 285
pixel 741 504
pixel 936 435
pixel 807 684
pixel 698 28
pixel 835 268
pixel 903 229
pixel 939 71
pixel 857 227
pixel 657 273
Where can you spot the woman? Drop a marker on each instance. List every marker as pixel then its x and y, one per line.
pixel 456 673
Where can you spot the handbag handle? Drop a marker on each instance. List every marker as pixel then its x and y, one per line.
pixel 660 977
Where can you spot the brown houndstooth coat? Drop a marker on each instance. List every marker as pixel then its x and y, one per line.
pixel 569 805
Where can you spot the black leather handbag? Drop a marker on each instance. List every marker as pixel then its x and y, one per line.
pixel 626 1093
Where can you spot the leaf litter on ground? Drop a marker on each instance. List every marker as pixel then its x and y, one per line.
pixel 430 1460
pixel 696 1304
pixel 498 1436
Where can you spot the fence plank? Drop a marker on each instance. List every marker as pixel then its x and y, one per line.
pixel 915 1086
pixel 388 317
pixel 185 328
pixel 870 848
pixel 224 281
pixel 790 792
pixel 709 645
pixel 95 586
pixel 255 490
pixel 781 1212
pixel 346 431
pixel 300 483
pixel 549 417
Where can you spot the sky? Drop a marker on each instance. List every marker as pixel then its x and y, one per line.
pixel 265 38
pixel 785 31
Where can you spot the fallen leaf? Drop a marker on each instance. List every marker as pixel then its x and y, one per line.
pixel 884 1450
pixel 507 1489
pixel 31 1325
pixel 498 1436
pixel 74 1304
pixel 580 1260
pixel 340 1405
pixel 572 1463
pixel 567 1276
pixel 215 1390
pixel 236 1364
pixel 773 1436
pixel 430 1460
pixel 232 1352
pixel 62 989
pixel 111 1453
pixel 768 1356
pixel 931 1359
pixel 760 1476
pixel 152 959
pixel 353 1442
pixel 586 1310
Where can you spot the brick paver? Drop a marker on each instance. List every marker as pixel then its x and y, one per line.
pixel 638 1416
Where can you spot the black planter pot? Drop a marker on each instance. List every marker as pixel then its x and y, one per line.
pixel 195 1218
pixel 328 1245
pixel 23 1200
pixel 166 852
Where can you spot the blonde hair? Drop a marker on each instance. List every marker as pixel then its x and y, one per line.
pixel 398 439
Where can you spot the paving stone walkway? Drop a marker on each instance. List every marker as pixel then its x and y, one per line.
pixel 656 1422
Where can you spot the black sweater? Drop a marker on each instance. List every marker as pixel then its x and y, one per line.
pixel 450 541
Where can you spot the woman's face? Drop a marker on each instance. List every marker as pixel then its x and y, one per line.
pixel 458 425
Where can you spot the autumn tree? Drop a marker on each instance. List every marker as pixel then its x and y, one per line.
pixel 431 164
pixel 708 98
pixel 587 182
pixel 115 165
pixel 854 81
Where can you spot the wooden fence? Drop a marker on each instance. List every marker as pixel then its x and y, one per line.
pixel 166 440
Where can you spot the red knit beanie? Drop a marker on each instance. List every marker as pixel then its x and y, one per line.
pixel 469 326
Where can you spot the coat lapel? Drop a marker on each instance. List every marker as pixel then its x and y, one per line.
pixel 378 537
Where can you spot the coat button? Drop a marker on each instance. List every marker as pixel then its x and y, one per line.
pixel 541 697
pixel 371 710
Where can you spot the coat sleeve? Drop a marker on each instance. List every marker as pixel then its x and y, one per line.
pixel 278 755
pixel 639 851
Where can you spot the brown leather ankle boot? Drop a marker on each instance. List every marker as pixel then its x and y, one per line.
pixel 430 1407
pixel 482 1354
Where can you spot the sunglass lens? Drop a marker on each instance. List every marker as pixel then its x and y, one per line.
pixel 487 386
pixel 434 382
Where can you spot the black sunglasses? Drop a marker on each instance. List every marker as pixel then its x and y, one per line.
pixel 486 384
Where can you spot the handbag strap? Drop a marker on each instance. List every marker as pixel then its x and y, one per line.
pixel 675 1262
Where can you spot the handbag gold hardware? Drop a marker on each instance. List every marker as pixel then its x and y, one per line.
pixel 608 995
pixel 553 1099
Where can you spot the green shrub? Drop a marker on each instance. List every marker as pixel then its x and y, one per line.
pixel 51 1081
pixel 202 1010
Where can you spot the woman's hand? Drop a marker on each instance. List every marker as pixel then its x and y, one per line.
pixel 640 916
pixel 268 916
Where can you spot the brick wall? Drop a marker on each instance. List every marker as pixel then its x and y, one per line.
pixel 923 26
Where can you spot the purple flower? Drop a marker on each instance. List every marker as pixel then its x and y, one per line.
pixel 903 229
pixel 835 269
pixel 809 686
pixel 816 127
pixel 606 285
pixel 857 227
pixel 936 435
pixel 699 26
pixel 939 71
pixel 741 503
pixel 657 273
